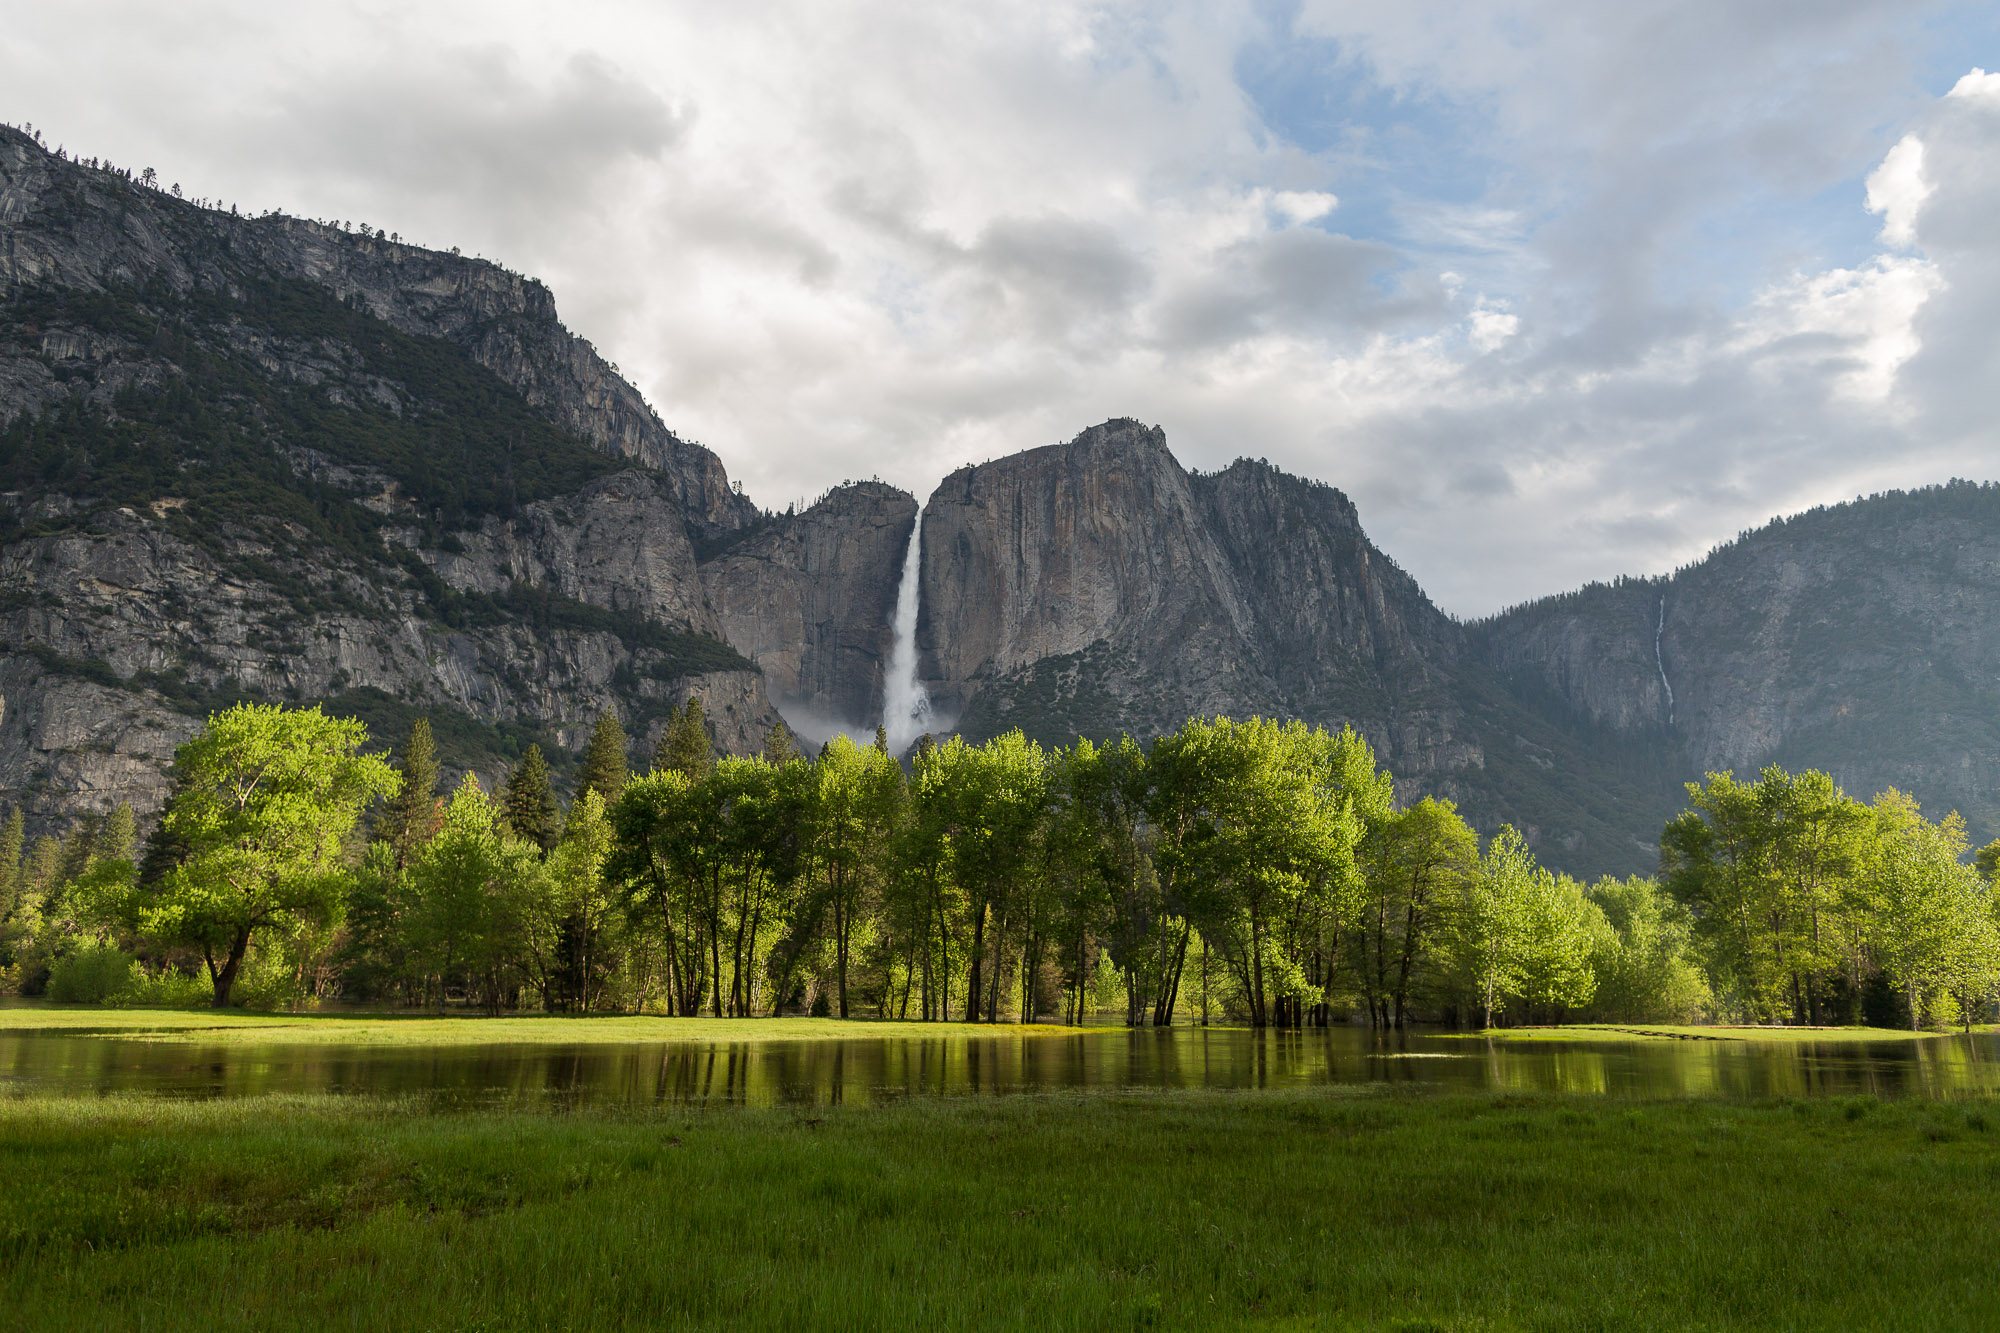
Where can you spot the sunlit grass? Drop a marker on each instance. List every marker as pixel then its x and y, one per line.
pixel 1335 1209
pixel 1619 1032
pixel 213 1027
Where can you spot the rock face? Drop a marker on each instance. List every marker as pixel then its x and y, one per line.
pixel 70 226
pixel 811 597
pixel 1098 586
pixel 1859 639
pixel 296 407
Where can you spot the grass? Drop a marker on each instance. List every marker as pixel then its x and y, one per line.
pixel 1286 1210
pixel 1624 1032
pixel 213 1027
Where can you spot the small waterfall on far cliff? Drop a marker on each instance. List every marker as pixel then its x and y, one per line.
pixel 906 704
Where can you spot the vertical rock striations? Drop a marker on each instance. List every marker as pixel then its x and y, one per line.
pixel 810 597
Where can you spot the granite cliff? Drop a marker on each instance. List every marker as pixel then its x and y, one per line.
pixel 275 459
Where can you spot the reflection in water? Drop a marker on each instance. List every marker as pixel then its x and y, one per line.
pixel 858 1072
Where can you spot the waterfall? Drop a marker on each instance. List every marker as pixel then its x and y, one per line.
pixel 906 704
pixel 1659 632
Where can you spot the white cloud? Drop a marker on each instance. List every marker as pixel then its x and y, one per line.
pixel 1898 188
pixel 1557 304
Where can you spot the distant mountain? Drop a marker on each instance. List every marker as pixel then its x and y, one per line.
pixel 272 458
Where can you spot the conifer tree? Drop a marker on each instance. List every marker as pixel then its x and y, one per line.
pixel 529 807
pixel 412 815
pixel 78 846
pixel 118 839
pixel 778 747
pixel 684 746
pixel 604 764
pixel 882 738
pixel 12 839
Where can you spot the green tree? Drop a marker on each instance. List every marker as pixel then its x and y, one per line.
pixel 266 799
pixel 1560 929
pixel 529 806
pixel 779 748
pixel 1417 863
pixel 461 910
pixel 604 768
pixel 13 840
pixel 1646 969
pixel 1934 932
pixel 1491 922
pixel 412 815
pixel 685 746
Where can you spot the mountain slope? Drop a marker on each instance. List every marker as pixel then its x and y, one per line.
pixel 267 458
pixel 1860 638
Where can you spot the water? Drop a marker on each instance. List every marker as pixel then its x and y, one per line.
pixel 906 704
pixel 876 1069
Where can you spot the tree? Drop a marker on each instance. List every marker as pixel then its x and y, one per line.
pixel 461 901
pixel 1492 920
pixel 778 747
pixel 1646 969
pixel 12 841
pixel 576 877
pixel 412 814
pixel 685 746
pixel 1559 928
pixel 604 769
pixel 266 799
pixel 529 806
pixel 1417 864
pixel 1935 932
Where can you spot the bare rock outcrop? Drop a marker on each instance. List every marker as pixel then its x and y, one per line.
pixel 810 598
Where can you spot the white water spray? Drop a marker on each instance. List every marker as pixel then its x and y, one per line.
pixel 1659 632
pixel 906 704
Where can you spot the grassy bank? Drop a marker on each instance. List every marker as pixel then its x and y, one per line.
pixel 212 1027
pixel 1322 1210
pixel 1623 1032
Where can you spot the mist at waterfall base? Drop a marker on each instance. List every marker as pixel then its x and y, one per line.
pixel 906 703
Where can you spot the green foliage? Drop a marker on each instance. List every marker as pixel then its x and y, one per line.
pixel 685 746
pixel 411 817
pixel 604 768
pixel 265 799
pixel 93 974
pixel 529 807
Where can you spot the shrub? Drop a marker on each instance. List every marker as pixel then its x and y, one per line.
pixel 93 974
pixel 167 990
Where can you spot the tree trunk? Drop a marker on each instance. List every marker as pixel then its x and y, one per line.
pixel 974 959
pixel 225 976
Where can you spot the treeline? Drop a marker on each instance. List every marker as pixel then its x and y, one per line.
pixel 1257 872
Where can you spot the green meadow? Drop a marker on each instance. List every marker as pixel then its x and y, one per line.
pixel 1329 1209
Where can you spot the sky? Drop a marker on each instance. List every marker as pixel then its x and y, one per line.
pixel 1554 291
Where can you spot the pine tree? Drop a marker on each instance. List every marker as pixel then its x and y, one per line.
pixel 882 738
pixel 778 747
pixel 79 845
pixel 412 815
pixel 118 839
pixel 604 765
pixel 529 807
pixel 684 746
pixel 12 839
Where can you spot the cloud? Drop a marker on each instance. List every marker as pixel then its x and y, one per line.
pixel 1555 290
pixel 1898 188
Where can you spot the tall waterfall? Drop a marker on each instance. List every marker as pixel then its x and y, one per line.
pixel 906 704
pixel 1660 661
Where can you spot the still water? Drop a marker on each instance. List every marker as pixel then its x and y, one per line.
pixel 875 1069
